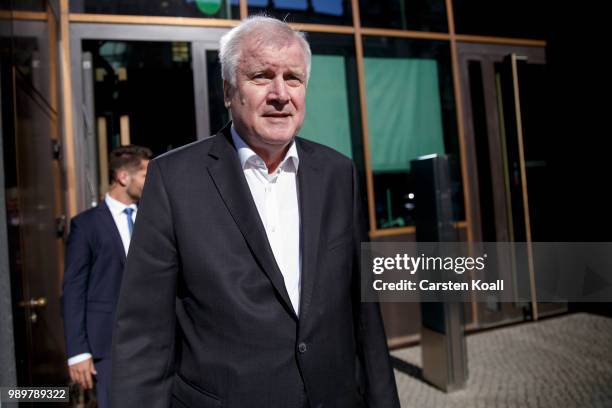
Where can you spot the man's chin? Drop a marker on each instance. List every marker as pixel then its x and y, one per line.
pixel 278 137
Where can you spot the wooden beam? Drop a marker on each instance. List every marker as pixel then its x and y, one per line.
pixel 383 32
pixel 364 115
pixel 23 15
pixel 244 9
pixel 499 40
pixel 151 20
pixel 67 112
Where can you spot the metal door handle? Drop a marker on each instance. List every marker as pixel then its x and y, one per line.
pixel 34 303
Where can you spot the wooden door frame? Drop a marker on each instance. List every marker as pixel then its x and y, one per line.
pixel 487 55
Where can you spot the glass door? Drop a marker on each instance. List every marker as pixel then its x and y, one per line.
pixel 141 85
pixel 504 93
pixel 521 86
pixel 33 192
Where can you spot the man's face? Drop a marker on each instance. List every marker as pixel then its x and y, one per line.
pixel 268 102
pixel 135 180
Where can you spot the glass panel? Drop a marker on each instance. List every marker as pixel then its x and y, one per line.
pixel 418 15
pixel 333 114
pixel 412 85
pixel 487 187
pixel 327 121
pixel 31 59
pixel 219 116
pixel 333 117
pixel 411 113
pixel 336 12
pixel 179 8
pixel 536 141
pixel 516 18
pixel 150 84
pixel 23 5
pixel 33 197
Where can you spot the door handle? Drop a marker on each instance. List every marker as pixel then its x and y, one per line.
pixel 34 303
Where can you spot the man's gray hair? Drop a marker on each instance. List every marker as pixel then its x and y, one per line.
pixel 263 31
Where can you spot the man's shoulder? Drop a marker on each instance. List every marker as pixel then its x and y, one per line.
pixel 186 160
pixel 194 152
pixel 89 214
pixel 324 154
pixel 87 221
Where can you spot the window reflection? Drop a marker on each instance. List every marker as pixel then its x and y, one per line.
pixel 333 115
pixel 502 18
pixel 23 5
pixel 218 114
pixel 229 9
pixel 305 11
pixel 124 71
pixel 419 15
pixel 411 113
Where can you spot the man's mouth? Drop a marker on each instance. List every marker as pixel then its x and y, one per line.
pixel 276 115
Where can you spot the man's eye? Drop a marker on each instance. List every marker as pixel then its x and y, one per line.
pixel 294 81
pixel 259 77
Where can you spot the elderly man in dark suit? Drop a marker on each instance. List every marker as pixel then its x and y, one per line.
pixel 242 286
pixel 95 255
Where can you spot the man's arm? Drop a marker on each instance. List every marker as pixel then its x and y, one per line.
pixel 143 337
pixel 74 302
pixel 380 388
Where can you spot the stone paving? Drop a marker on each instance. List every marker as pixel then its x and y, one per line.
pixel 559 362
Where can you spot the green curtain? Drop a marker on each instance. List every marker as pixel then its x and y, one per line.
pixel 404 111
pixel 327 112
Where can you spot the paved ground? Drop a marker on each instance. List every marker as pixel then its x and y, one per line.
pixel 560 362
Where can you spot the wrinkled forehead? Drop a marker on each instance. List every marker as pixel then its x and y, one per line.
pixel 256 53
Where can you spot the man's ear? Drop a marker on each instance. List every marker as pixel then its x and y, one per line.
pixel 122 177
pixel 227 94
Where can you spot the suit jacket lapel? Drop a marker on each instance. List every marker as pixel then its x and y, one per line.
pixel 229 180
pixel 311 210
pixel 109 223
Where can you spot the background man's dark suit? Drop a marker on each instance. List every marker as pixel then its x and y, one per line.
pixel 94 263
pixel 204 319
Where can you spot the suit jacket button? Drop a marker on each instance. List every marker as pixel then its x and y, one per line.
pixel 302 348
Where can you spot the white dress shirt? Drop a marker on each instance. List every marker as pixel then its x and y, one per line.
pixel 116 208
pixel 276 199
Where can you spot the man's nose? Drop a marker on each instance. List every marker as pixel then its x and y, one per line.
pixel 279 91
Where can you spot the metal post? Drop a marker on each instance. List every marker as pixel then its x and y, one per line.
pixel 442 323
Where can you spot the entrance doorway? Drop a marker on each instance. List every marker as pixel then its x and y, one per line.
pixel 505 115
pixel 155 86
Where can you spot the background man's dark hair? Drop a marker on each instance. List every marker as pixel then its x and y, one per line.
pixel 127 158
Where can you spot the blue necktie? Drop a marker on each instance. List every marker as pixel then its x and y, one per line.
pixel 128 211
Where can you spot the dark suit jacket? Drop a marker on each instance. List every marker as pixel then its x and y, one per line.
pixel 204 319
pixel 94 263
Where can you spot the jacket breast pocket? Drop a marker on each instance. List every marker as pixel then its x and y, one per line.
pixel 185 394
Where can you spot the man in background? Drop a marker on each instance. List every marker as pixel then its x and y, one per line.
pixel 96 251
